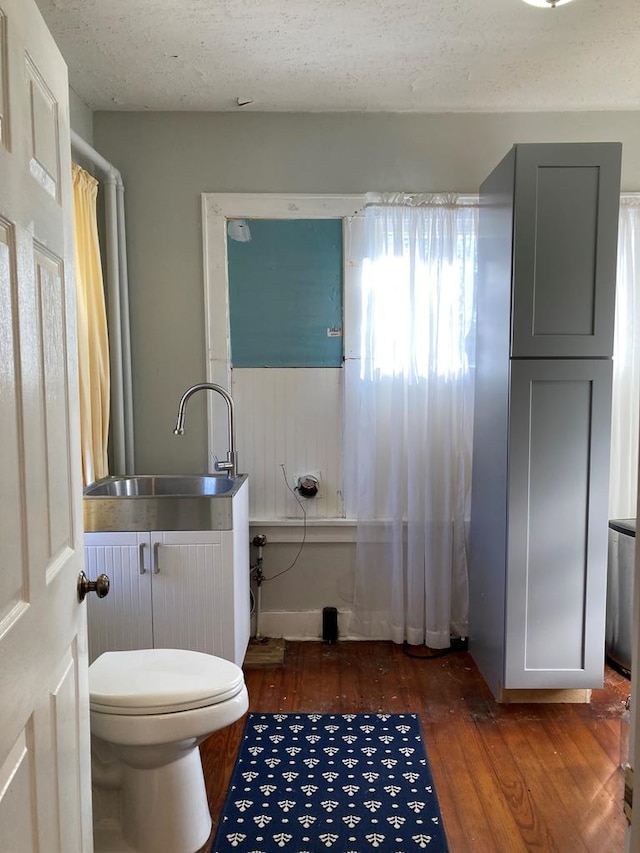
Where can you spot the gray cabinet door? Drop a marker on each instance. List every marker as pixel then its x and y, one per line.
pixel 565 230
pixel 557 523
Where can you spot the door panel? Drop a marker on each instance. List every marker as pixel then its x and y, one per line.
pixel 565 232
pixel 45 801
pixel 13 575
pixel 44 162
pixel 67 777
pixel 52 348
pixel 557 553
pixel 17 804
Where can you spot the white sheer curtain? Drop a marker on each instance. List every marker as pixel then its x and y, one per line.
pixel 626 364
pixel 409 414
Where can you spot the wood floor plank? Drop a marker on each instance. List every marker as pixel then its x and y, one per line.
pixel 534 828
pixel 588 761
pixel 596 783
pixel 560 833
pixel 607 733
pixel 501 798
pixel 592 815
pixel 469 804
pixel 448 793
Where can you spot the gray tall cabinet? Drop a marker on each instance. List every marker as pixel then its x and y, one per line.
pixel 546 293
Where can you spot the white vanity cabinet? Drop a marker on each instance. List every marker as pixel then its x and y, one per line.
pixel 170 589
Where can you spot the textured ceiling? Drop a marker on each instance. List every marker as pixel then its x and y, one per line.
pixel 360 55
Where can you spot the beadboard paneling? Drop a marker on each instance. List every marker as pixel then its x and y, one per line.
pixel 122 620
pixel 191 593
pixel 290 416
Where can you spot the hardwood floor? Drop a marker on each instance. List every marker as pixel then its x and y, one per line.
pixel 509 778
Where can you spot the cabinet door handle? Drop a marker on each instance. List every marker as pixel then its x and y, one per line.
pixel 156 562
pixel 141 548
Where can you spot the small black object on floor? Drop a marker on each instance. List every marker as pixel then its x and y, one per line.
pixel 330 625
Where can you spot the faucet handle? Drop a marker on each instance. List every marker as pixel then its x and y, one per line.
pixel 230 466
pixel 221 466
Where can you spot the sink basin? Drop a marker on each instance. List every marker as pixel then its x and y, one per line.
pixel 167 485
pixel 161 502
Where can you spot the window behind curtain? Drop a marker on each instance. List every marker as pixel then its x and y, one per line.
pixel 413 326
pixel 416 309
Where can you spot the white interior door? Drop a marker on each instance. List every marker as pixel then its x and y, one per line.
pixel 45 791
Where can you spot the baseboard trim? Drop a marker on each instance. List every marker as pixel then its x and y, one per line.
pixel 303 625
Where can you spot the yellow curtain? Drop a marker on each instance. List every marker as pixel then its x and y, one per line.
pixel 93 342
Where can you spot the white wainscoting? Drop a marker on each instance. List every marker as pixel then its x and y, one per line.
pixel 301 625
pixel 305 625
pixel 290 417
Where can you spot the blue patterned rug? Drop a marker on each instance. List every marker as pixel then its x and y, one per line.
pixel 349 783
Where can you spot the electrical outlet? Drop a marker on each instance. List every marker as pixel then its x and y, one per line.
pixel 308 473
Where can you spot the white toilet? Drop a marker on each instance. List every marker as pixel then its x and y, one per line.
pixel 149 711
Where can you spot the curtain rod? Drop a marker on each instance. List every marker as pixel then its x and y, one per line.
pixel 83 147
pixel 118 309
pixel 422 199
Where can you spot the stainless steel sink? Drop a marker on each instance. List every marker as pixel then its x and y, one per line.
pixel 177 485
pixel 161 502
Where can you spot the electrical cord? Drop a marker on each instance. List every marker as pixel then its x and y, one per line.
pixel 304 531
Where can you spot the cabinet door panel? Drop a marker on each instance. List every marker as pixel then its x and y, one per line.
pixel 566 205
pixel 557 552
pixel 122 620
pixel 192 592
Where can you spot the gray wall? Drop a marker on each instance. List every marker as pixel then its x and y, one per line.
pixel 81 117
pixel 168 159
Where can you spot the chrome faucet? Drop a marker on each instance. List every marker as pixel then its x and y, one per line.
pixel 231 465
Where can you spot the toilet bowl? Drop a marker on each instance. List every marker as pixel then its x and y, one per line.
pixel 149 712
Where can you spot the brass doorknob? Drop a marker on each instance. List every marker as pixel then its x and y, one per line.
pixel 100 586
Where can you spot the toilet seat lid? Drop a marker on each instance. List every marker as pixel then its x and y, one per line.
pixel 157 681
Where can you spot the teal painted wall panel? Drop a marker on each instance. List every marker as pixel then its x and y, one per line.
pixel 285 292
